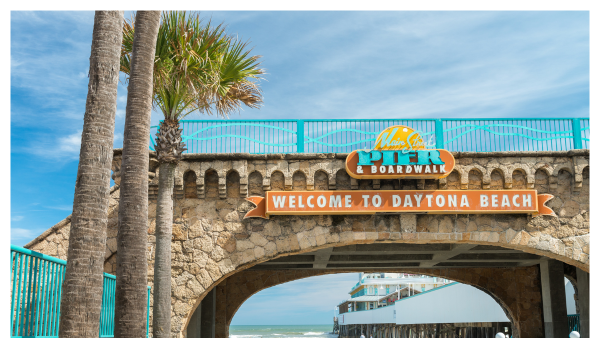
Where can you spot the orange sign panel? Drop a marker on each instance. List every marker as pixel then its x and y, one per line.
pixel 423 164
pixel 349 202
pixel 400 152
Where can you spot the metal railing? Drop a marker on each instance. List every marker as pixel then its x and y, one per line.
pixel 36 285
pixel 342 136
pixel 573 321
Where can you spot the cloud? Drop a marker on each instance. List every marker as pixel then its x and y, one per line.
pixel 17 218
pixel 61 207
pixel 70 144
pixel 21 233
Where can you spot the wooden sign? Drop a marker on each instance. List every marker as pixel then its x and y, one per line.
pixel 356 202
pixel 400 152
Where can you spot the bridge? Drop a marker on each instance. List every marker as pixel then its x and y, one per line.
pixel 220 258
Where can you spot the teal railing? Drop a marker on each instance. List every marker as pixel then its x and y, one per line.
pixel 573 321
pixel 36 285
pixel 342 136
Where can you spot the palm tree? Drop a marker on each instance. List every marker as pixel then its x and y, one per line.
pixel 132 266
pixel 198 68
pixel 81 297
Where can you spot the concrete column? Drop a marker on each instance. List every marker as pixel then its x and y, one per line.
pixel 583 295
pixel 202 323
pixel 193 329
pixel 221 327
pixel 207 317
pixel 553 299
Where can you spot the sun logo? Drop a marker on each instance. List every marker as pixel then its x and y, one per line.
pixel 399 138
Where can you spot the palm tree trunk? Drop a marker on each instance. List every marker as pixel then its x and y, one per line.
pixel 81 297
pixel 161 316
pixel 132 265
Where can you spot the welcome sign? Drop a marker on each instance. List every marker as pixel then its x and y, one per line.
pixel 400 152
pixel 364 202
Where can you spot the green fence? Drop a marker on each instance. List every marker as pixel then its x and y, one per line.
pixel 342 136
pixel 573 321
pixel 36 285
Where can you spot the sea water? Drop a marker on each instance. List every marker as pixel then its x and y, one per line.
pixel 281 331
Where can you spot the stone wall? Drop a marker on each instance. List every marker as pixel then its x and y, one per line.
pixel 212 241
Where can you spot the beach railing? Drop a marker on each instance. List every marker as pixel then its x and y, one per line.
pixel 36 285
pixel 343 136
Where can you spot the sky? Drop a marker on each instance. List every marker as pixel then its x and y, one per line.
pixel 307 301
pixel 334 64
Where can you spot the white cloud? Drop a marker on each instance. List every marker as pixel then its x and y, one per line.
pixel 61 207
pixel 21 233
pixel 17 218
pixel 70 144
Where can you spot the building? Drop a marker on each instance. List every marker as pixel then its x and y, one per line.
pixel 394 305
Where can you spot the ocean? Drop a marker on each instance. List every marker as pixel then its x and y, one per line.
pixel 281 331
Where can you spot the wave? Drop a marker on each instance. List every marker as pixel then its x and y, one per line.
pixel 315 333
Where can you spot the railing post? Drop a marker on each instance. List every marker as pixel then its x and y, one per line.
pixel 300 136
pixel 576 134
pixel 439 134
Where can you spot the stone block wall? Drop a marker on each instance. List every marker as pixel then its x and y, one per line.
pixel 212 241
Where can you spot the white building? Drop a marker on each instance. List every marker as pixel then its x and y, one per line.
pixel 384 304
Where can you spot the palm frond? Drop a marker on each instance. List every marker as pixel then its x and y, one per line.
pixel 198 67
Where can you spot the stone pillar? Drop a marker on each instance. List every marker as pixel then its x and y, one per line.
pixel 207 315
pixel 583 295
pixel 554 301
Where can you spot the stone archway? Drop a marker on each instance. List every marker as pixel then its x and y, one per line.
pixel 212 241
pixel 516 296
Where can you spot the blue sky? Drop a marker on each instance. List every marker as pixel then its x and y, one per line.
pixel 319 65
pixel 302 302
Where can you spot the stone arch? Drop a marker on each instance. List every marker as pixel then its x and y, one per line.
pixel 565 181
pixel 211 184
pixel 519 179
pixel 245 284
pixel 330 234
pixel 453 180
pixel 321 180
pixel 561 167
pixel 255 184
pixel 542 181
pixel 475 179
pixel 299 180
pixel 190 187
pixel 232 184
pixel 497 179
pixel 342 180
pixel 277 181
